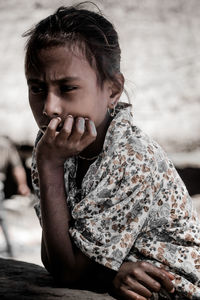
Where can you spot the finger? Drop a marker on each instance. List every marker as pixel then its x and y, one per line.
pixel 149 282
pixel 137 287
pixel 52 126
pixel 91 128
pixel 66 129
pixel 166 281
pixel 78 130
pixel 162 277
pixel 131 295
pixel 170 275
pixel 90 133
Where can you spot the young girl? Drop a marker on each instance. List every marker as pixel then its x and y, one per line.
pixel 111 204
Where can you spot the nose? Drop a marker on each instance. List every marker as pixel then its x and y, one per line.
pixel 52 106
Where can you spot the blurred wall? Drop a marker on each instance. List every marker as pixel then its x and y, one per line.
pixel 160 44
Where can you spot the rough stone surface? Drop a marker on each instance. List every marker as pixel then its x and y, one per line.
pixel 25 281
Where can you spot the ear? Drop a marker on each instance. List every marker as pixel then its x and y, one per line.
pixel 116 89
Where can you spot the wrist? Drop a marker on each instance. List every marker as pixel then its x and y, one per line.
pixel 45 163
pixel 49 171
pixel 48 160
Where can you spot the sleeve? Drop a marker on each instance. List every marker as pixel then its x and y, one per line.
pixel 110 217
pixel 171 237
pixel 35 180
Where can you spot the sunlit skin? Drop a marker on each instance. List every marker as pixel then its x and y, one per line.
pixel 66 93
pixel 71 109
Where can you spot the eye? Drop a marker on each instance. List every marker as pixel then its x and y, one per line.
pixel 36 89
pixel 67 88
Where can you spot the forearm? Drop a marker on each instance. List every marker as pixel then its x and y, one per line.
pixel 66 262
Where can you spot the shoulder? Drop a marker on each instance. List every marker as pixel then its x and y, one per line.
pixel 130 147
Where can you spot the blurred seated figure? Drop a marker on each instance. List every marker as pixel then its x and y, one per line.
pixel 9 158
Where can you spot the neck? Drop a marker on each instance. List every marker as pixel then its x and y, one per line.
pixel 96 147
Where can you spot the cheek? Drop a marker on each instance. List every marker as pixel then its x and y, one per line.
pixel 37 108
pixel 100 115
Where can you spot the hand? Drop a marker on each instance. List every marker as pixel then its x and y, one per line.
pixel 74 136
pixel 137 281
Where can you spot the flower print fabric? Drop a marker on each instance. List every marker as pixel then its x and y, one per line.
pixel 133 206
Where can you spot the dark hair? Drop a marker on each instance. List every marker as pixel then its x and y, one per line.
pixel 74 26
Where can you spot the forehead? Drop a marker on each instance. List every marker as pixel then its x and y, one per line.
pixel 61 61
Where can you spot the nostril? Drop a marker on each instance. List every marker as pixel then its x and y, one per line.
pixel 50 114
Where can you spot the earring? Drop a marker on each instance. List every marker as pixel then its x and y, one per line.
pixel 112 112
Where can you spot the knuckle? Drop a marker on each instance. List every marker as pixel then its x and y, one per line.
pixel 136 272
pixel 127 279
pixel 144 264
pixel 49 129
pixel 138 297
pixel 157 286
pixel 149 294
pixel 121 289
pixel 79 148
pixel 80 131
pixel 70 146
pixel 58 143
pixel 163 276
pixel 46 141
pixel 66 130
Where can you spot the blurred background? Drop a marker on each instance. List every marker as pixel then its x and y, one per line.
pixel 160 44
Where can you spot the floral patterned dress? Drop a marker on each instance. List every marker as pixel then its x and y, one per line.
pixel 133 206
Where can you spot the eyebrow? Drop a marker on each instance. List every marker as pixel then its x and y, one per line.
pixel 60 80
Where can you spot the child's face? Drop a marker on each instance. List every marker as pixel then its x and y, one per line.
pixel 66 85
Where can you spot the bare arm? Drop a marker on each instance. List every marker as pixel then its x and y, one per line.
pixel 65 261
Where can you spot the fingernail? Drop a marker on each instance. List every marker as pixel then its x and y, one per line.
pixel 93 127
pixel 54 120
pixel 69 122
pixel 69 117
pixel 81 124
